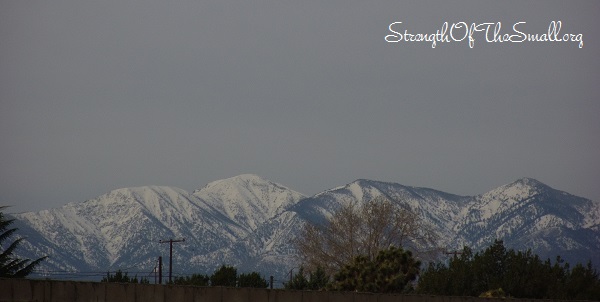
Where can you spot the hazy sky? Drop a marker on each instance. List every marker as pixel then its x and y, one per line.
pixel 100 95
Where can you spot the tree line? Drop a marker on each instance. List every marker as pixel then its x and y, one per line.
pixel 510 273
pixel 367 248
pixel 224 276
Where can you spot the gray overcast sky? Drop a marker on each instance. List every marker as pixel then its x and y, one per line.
pixel 100 95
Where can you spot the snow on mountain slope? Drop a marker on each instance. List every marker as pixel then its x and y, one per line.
pixel 125 225
pixel 269 249
pixel 271 244
pixel 250 222
pixel 439 210
pixel 248 199
pixel 529 214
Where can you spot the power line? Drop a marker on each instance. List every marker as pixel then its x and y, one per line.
pixel 455 253
pixel 171 241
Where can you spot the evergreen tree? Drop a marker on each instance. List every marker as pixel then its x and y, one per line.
pixel 195 280
pixel 583 283
pixel 252 280
pixel 462 267
pixel 489 268
pixel 121 277
pixel 118 277
pixel 514 274
pixel 393 270
pixel 11 266
pixel 224 276
pixel 298 281
pixel 318 280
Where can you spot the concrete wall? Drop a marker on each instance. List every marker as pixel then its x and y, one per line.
pixel 21 290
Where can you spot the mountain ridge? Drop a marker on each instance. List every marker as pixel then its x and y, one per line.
pixel 251 222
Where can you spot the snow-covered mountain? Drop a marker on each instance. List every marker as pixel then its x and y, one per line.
pixel 248 199
pixel 530 214
pixel 250 222
pixel 122 228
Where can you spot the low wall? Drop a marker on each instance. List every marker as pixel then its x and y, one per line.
pixel 21 290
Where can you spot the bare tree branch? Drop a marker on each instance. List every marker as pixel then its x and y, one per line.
pixel 365 230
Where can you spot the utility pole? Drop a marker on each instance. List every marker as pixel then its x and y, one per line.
pixel 159 269
pixel 170 241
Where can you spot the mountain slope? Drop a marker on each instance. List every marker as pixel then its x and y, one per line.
pixel 529 214
pixel 248 199
pixel 124 226
pixel 271 245
pixel 438 210
pixel 251 223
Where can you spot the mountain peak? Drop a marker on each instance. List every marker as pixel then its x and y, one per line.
pixel 517 190
pixel 531 182
pixel 237 180
pixel 248 198
pixel 248 177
